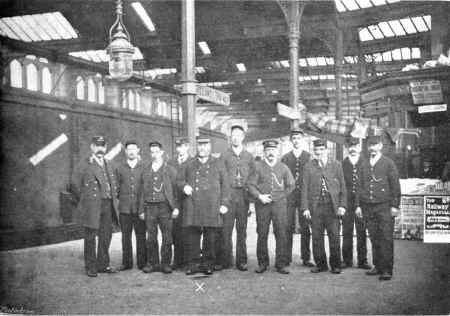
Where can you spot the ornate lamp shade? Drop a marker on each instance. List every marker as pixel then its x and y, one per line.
pixel 120 50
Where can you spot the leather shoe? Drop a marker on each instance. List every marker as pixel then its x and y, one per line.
pixel 166 269
pixel 373 271
pixel 319 269
pixel 149 268
pixel 91 274
pixel 385 276
pixel 308 264
pixel 261 269
pixel 336 270
pixel 218 267
pixel 208 271
pixel 364 266
pixel 242 267
pixel 108 270
pixel 123 268
pixel 191 270
pixel 283 270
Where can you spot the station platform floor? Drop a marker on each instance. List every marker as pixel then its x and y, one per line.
pixel 50 280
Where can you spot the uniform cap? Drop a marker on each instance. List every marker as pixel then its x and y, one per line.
pixel 237 127
pixel 155 144
pixel 319 143
pixel 295 131
pixel 99 140
pixel 203 140
pixel 271 143
pixel 181 140
pixel 374 140
pixel 352 141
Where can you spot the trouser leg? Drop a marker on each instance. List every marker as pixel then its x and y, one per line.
pixel 279 220
pixel 361 240
pixel 140 232
pixel 104 234
pixel 208 251
pixel 305 240
pixel 165 224
pixel 290 230
pixel 126 226
pixel 318 228
pixel 193 234
pixel 262 230
pixel 224 240
pixel 178 241
pixel 386 241
pixel 347 238
pixel 90 257
pixel 372 227
pixel 332 226
pixel 241 230
pixel 151 219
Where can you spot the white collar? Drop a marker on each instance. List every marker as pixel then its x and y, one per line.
pixel 100 162
pixel 132 163
pixel 322 163
pixel 353 159
pixel 203 160
pixel 182 158
pixel 237 150
pixel 297 152
pixel 271 164
pixel 156 165
pixel 374 160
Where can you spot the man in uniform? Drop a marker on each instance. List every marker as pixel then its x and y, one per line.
pixel 270 184
pixel 379 198
pixel 351 166
pixel 128 174
pixel 157 206
pixel 239 163
pixel 179 162
pixel 323 201
pixel 207 194
pixel 295 160
pixel 95 190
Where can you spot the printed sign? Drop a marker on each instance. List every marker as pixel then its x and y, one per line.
pixel 436 219
pixel 213 95
pixel 426 91
pixel 432 108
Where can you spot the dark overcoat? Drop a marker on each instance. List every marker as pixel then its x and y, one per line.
pixel 294 164
pixel 312 185
pixel 86 184
pixel 210 190
pixel 128 185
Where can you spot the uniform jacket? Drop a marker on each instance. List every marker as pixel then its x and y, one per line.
pixel 210 190
pixel 169 183
pixel 294 164
pixel 312 185
pixel 276 181
pixel 178 193
pixel 351 176
pixel 379 183
pixel 128 185
pixel 86 184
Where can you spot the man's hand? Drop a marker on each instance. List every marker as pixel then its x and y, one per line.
pixel 265 198
pixel 307 214
pixel 394 211
pixel 142 216
pixel 175 213
pixel 187 189
pixel 251 209
pixel 340 211
pixel 358 212
pixel 223 209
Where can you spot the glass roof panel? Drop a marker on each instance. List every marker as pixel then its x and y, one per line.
pixel 420 24
pixel 63 21
pixel 386 29
pixel 17 30
pixel 377 57
pixel 339 6
pixel 408 26
pixel 378 2
pixel 54 22
pixel 302 62
pixel 364 3
pixel 204 48
pixel 397 28
pixel 321 61
pixel 396 54
pixel 427 19
pixel 6 31
pixel 241 67
pixel 29 31
pixel 311 61
pixel 387 56
pixel 364 35
pixel 284 63
pixel 376 31
pixel 406 53
pixel 32 22
pixel 44 23
pixel 351 4
pixel 329 60
pixel 415 53
pixel 145 18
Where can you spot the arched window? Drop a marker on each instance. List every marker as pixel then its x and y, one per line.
pixel 46 80
pixel 32 77
pixel 131 99
pixel 124 99
pixel 15 74
pixel 101 92
pixel 80 88
pixel 138 101
pixel 91 90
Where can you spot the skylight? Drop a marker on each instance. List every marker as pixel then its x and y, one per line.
pixel 404 53
pixel 205 48
pixel 241 67
pixel 145 18
pixel 37 27
pixel 200 70
pixel 395 28
pixel 353 5
pixel 158 72
pixel 100 56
